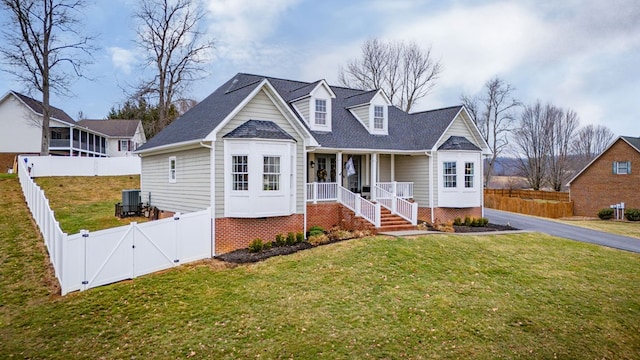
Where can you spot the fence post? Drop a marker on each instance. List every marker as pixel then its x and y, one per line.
pixel 414 213
pixel 357 205
pixel 85 282
pixel 377 215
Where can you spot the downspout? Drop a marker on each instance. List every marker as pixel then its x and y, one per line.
pixel 212 196
pixel 431 185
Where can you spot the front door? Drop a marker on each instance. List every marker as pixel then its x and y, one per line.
pixel 325 168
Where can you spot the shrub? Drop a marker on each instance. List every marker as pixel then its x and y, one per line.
pixel 291 238
pixel 316 230
pixel 605 214
pixel 479 222
pixel 446 227
pixel 280 240
pixel 299 237
pixel 457 221
pixel 268 245
pixel 468 221
pixel 632 214
pixel 339 234
pixel 256 245
pixel 318 239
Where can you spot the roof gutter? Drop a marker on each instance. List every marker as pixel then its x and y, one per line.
pixel 171 147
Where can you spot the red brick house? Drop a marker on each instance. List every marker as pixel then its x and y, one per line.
pixel 608 179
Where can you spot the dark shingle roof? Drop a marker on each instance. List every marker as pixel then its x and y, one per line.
pixel 634 141
pixel 458 143
pixel 37 106
pixel 258 129
pixel 408 132
pixel 112 127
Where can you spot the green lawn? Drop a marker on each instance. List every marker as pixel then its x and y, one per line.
pixel 83 202
pixel 446 296
pixel 625 228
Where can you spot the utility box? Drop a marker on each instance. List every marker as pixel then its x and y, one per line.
pixel 131 204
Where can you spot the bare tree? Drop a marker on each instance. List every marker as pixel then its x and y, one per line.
pixel 493 113
pixel 44 46
pixel 169 32
pixel 531 142
pixel 589 142
pixel 562 128
pixel 404 71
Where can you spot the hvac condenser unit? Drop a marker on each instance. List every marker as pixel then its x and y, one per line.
pixel 131 204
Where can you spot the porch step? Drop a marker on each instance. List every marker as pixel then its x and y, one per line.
pixel 391 222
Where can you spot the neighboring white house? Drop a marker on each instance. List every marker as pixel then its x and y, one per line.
pixel 20 121
pixel 272 156
pixel 124 136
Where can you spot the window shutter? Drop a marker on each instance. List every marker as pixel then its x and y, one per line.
pixel 128 145
pixel 119 149
pixel 613 170
pixel 628 167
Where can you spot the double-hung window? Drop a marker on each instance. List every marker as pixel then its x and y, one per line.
pixel 450 175
pixel 378 117
pixel 172 169
pixel 321 112
pixel 468 175
pixel 622 167
pixel 240 172
pixel 271 173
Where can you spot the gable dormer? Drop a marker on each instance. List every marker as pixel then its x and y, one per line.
pixel 374 114
pixel 316 105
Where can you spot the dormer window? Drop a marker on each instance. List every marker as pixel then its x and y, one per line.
pixel 321 112
pixel 378 117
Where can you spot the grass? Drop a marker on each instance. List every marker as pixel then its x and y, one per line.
pixel 481 297
pixel 88 202
pixel 625 228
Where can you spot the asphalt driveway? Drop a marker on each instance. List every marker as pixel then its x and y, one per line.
pixel 524 222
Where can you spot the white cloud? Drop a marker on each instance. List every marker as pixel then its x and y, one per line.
pixel 122 59
pixel 240 26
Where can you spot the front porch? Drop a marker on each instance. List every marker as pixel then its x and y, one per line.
pixel 389 207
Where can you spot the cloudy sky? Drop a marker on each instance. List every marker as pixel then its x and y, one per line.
pixel 583 55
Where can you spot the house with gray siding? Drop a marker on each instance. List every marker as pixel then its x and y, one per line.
pixel 273 156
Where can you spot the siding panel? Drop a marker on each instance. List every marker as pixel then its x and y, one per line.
pixel 414 169
pixel 190 192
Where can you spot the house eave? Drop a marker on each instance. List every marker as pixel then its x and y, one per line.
pixel 163 149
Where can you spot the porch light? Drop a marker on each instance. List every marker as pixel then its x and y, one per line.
pixel 313 164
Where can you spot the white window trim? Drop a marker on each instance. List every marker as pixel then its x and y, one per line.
pixel 279 173
pixel 454 175
pixel 173 173
pixel 312 110
pixel 472 175
pixel 627 165
pixel 124 142
pixel 384 130
pixel 233 173
pixel 318 112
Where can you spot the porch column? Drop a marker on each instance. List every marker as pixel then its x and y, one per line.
pixel 393 167
pixel 70 141
pixel 374 175
pixel 339 167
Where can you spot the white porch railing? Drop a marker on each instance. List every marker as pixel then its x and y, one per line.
pixel 360 206
pixel 395 202
pixel 400 189
pixel 397 205
pixel 322 192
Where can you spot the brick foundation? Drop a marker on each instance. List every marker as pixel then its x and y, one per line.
pixel 236 233
pixel 328 215
pixel 443 215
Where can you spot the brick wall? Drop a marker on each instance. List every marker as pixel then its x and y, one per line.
pixel 597 187
pixel 236 233
pixel 443 215
pixel 326 215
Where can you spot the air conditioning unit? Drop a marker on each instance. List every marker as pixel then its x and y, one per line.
pixel 131 204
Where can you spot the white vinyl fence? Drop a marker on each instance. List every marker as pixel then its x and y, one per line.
pixel 89 259
pixel 81 166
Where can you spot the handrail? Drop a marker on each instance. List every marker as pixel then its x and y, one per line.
pixel 397 205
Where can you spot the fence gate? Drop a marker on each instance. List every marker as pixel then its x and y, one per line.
pixel 135 253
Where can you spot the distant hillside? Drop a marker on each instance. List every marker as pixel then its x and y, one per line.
pixel 505 166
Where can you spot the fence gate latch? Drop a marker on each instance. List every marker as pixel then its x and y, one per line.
pixel 85 282
pixel 176 261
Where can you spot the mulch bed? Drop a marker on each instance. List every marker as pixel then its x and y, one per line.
pixel 243 256
pixel 488 228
